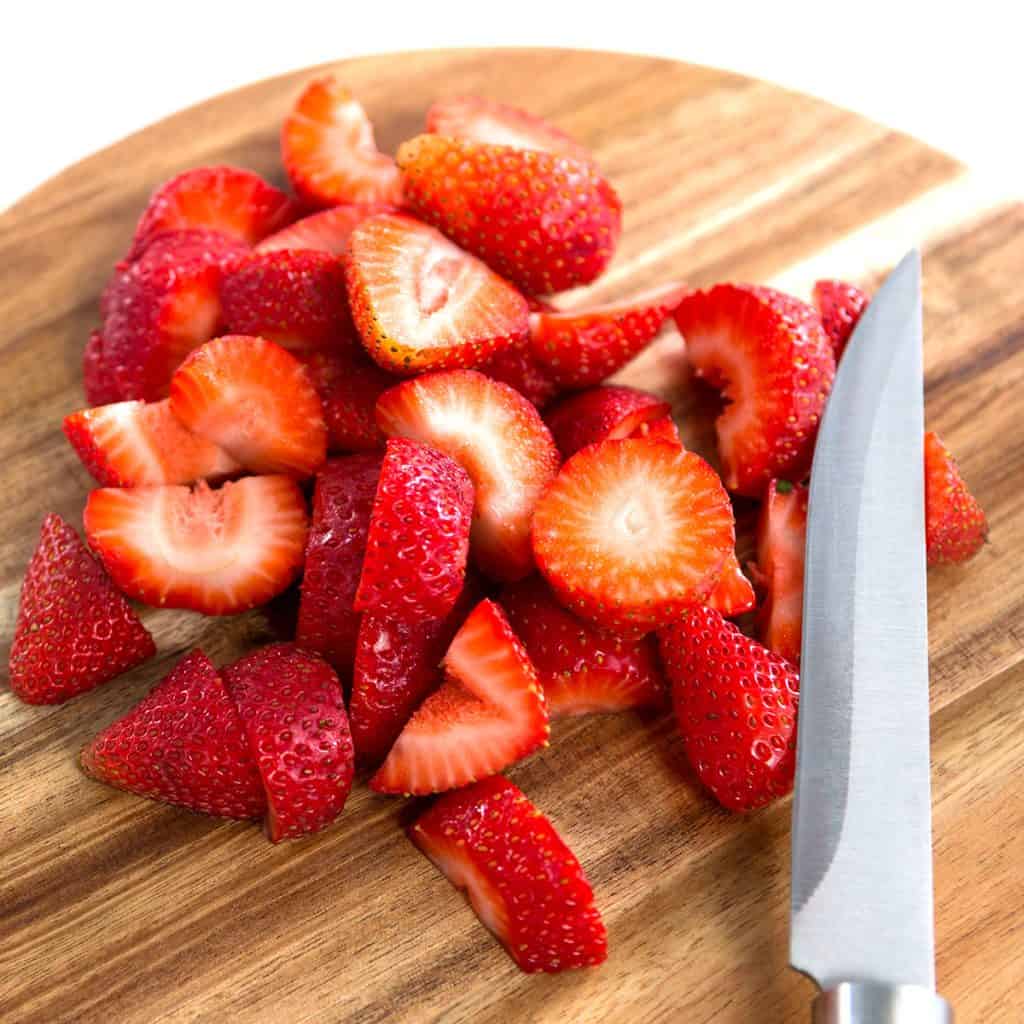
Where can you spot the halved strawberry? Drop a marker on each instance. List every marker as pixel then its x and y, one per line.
pixel 956 528
pixel 132 443
pixel 773 362
pixel 418 542
pixel 502 442
pixel 182 744
pixel 326 231
pixel 488 713
pixel 516 367
pixel 98 380
pixel 840 305
pixel 633 532
pixel 74 630
pixel 421 303
pixel 582 669
pixel 522 880
pixel 733 594
pixel 217 552
pixel 545 222
pixel 293 710
pixel 255 400
pixel 329 152
pixel 602 414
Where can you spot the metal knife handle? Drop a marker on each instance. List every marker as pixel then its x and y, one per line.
pixel 869 1003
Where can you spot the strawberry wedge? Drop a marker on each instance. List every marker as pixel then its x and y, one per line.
pixel 602 414
pixel 325 231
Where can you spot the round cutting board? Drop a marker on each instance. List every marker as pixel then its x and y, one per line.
pixel 113 908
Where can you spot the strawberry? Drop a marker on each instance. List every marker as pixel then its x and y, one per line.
pixel 98 380
pixel 500 124
pixel 839 305
pixel 769 355
pixel 342 505
pixel 516 367
pixel 217 552
pixel 733 594
pixel 182 744
pixel 545 222
pixel 521 879
pixel 736 706
pixel 421 303
pixel 329 152
pixel 502 442
pixel 293 710
pixel 326 231
pixel 418 542
pixel 132 443
pixel 602 414
pixel 253 399
pixel 581 669
pixel 583 347
pixel 955 524
pixel 633 532
pixel 663 429
pixel 488 713
pixel 74 630
pixel 237 203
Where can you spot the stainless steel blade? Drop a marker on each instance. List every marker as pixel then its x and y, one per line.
pixel 862 859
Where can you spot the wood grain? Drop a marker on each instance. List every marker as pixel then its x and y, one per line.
pixel 117 909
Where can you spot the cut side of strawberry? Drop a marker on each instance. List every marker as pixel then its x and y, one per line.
pixel 329 152
pixel 602 414
pixel 421 303
pixel 253 399
pixel 516 367
pixel 214 551
pixel 733 594
pixel 133 443
pixel 840 305
pixel 326 231
pixel 955 524
pixel 502 442
pixel 633 532
pixel 98 381
pixel 522 880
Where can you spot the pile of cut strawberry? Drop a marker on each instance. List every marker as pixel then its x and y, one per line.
pixel 365 386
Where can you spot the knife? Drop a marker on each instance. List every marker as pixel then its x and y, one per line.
pixel 861 917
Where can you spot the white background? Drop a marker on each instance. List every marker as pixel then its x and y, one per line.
pixel 75 77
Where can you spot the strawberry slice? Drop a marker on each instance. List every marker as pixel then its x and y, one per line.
pixel 955 524
pixel 582 669
pixel 840 305
pixel 217 552
pixel 131 443
pixel 326 231
pixel 583 347
pixel 500 124
pixel 182 744
pixel 98 379
pixel 253 399
pixel 522 880
pixel 746 760
pixel 770 357
pixel 502 442
pixel 663 429
pixel 342 505
pixel 733 594
pixel 421 303
pixel 293 710
pixel 488 713
pixel 74 630
pixel 543 221
pixel 237 203
pixel 602 414
pixel 633 532
pixel 516 367
pixel 329 152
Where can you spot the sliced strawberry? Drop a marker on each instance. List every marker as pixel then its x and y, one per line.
pixel 602 414
pixel 293 710
pixel 253 399
pixel 502 442
pixel 733 594
pixel 421 303
pixel 746 759
pixel 516 367
pixel 326 231
pixel 131 443
pixel 521 879
pixel 955 523
pixel 488 713
pixel 663 429
pixel 74 630
pixel 183 744
pixel 582 669
pixel 342 505
pixel 840 306
pixel 329 152
pixel 98 379
pixel 633 532
pixel 769 355
pixel 545 222
pixel 217 552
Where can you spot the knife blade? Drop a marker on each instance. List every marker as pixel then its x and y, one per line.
pixel 861 910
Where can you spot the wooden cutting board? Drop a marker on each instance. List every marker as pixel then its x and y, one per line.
pixel 116 909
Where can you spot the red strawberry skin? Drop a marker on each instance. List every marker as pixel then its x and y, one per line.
pixel 955 524
pixel 74 629
pixel 736 707
pixel 98 380
pixel 840 305
pixel 182 744
pixel 601 414
pixel 293 710
pixel 523 881
pixel 326 231
pixel 517 367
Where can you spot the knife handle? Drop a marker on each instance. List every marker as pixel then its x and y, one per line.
pixel 870 1003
